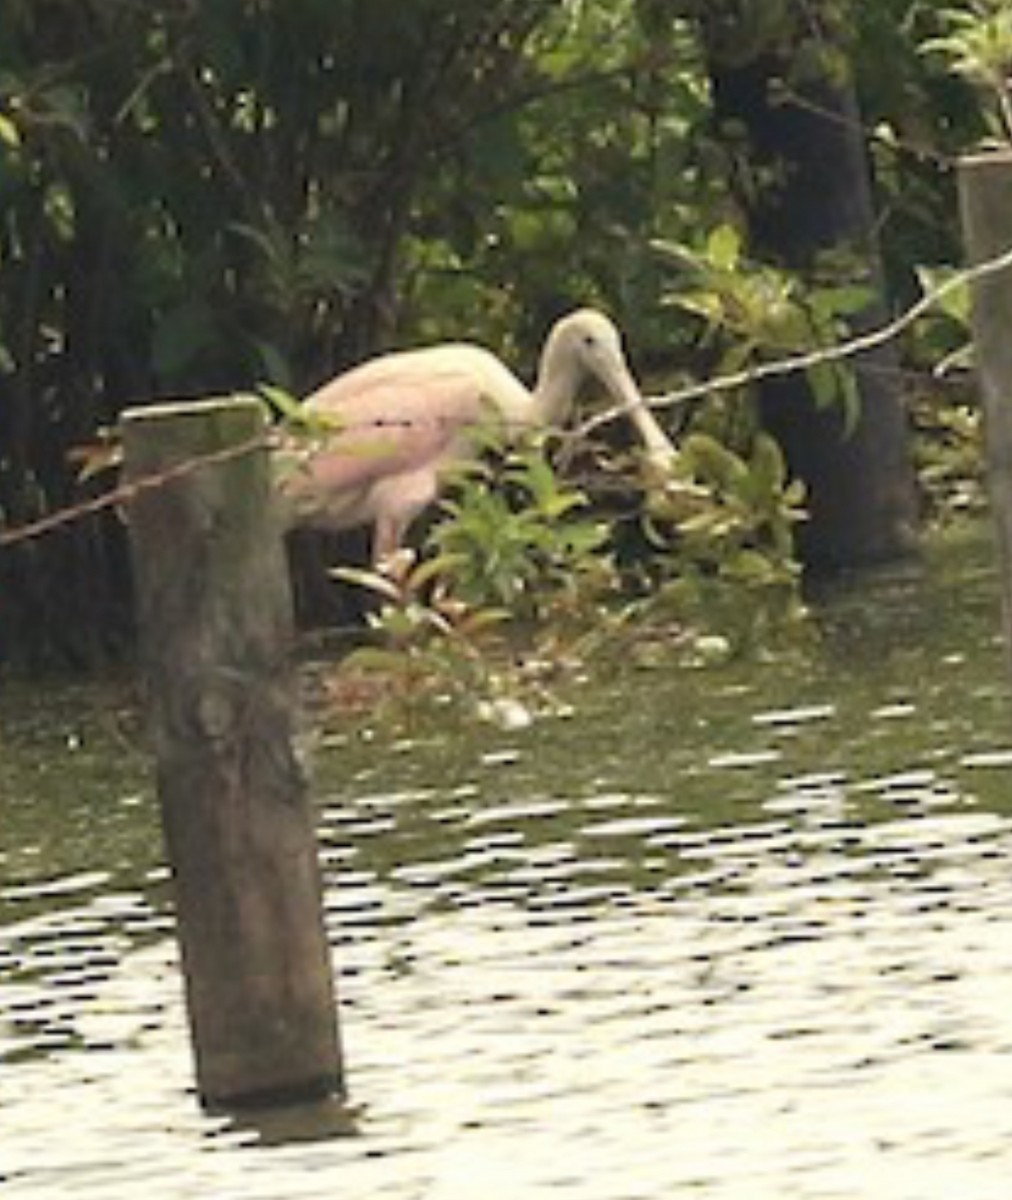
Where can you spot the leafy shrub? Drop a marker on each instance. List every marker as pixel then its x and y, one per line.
pixel 519 583
pixel 977 45
pixel 751 312
pixel 728 542
pixel 519 538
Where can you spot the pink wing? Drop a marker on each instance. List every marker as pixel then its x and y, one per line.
pixel 395 414
pixel 397 419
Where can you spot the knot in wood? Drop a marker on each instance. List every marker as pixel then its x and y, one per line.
pixel 217 712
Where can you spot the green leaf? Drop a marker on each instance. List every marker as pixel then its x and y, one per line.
pixel 824 380
pixel 842 301
pixel 795 493
pixel 767 465
pixel 10 135
pixel 951 291
pixel 751 568
pixel 302 423
pixel 374 658
pixel 283 401
pixel 585 538
pixel 723 248
pixel 372 580
pixel 484 618
pixel 707 305
pixel 439 566
pixel 714 462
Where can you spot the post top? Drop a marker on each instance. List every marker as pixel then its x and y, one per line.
pixel 996 156
pixel 210 406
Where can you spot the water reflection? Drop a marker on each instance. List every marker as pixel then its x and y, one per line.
pixel 292 1124
pixel 728 934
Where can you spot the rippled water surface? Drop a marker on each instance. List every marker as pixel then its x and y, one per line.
pixel 732 933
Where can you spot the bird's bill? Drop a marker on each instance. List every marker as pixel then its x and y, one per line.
pixel 660 449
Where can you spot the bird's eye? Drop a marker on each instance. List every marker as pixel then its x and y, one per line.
pixel 589 340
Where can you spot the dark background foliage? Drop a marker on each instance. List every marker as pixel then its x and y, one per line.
pixel 201 197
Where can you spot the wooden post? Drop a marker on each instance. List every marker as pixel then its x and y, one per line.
pixel 985 196
pixel 214 613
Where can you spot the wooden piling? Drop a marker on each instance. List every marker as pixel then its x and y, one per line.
pixel 215 627
pixel 985 198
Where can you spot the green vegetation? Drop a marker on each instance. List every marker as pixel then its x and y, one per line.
pixel 977 44
pixel 754 312
pixel 522 586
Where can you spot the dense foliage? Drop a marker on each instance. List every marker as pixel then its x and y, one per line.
pixel 206 196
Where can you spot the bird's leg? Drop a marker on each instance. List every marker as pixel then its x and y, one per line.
pixel 397 501
pixel 388 533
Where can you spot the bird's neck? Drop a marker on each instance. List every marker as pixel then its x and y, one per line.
pixel 557 386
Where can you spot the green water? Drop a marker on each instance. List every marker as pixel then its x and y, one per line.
pixel 736 932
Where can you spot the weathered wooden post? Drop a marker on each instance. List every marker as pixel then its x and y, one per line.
pixel 215 620
pixel 985 197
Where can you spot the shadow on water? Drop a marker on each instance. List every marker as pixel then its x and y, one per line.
pixel 292 1124
pixel 729 933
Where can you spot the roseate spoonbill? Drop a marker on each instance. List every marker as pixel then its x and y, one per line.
pixel 400 419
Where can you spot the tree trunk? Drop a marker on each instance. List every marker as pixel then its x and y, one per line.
pixel 861 484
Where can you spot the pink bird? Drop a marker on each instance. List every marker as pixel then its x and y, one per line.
pixel 401 419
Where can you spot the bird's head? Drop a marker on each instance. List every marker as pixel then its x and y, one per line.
pixel 587 344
